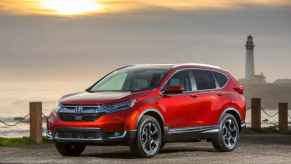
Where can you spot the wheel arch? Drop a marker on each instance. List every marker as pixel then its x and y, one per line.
pixel 157 115
pixel 233 111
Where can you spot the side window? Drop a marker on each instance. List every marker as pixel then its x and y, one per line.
pixel 220 78
pixel 181 78
pixel 204 79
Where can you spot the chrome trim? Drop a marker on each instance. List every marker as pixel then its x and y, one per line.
pixel 192 129
pixel 56 138
pixel 75 109
pixel 197 91
pixel 211 131
pixel 197 65
pixel 96 109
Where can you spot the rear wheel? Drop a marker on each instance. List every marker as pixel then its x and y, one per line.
pixel 228 135
pixel 148 139
pixel 68 149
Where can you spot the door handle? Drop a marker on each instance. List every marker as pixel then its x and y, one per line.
pixel 194 96
pixel 219 94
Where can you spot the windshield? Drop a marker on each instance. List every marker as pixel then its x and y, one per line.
pixel 130 79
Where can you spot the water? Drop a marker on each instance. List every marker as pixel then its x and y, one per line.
pixel 15 98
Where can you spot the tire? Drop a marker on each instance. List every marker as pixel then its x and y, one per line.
pixel 228 138
pixel 67 149
pixel 148 139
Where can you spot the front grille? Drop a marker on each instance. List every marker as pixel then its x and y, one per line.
pixel 78 117
pixel 79 113
pixel 82 109
pixel 78 133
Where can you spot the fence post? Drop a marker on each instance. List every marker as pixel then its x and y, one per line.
pixel 256 113
pixel 35 111
pixel 283 117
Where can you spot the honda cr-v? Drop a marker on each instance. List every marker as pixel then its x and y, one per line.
pixel 146 106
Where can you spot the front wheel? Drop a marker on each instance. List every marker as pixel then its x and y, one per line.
pixel 68 149
pixel 228 136
pixel 148 140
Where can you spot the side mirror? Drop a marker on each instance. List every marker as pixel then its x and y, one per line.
pixel 239 89
pixel 174 89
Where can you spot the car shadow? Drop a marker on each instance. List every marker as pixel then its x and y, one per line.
pixel 126 154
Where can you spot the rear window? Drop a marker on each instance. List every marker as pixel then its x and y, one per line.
pixel 220 78
pixel 204 79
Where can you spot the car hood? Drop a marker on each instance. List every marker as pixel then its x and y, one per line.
pixel 88 98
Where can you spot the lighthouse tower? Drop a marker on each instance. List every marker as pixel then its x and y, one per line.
pixel 250 65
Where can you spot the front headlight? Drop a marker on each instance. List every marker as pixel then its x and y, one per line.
pixel 109 108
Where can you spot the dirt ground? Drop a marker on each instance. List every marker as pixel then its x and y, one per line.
pixel 255 148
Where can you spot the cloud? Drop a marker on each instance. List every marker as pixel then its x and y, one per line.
pixel 112 6
pixel 206 4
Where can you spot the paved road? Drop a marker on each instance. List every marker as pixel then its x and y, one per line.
pixel 265 149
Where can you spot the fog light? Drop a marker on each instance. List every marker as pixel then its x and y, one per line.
pixel 116 134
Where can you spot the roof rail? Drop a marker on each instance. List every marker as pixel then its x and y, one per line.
pixel 198 64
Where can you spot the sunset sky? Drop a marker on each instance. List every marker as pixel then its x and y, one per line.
pixel 81 39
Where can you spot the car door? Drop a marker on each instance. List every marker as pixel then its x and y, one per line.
pixel 206 98
pixel 177 106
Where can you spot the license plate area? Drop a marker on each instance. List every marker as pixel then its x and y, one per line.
pixel 78 133
pixel 78 117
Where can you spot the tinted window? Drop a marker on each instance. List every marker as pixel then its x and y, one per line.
pixel 181 78
pixel 220 78
pixel 204 79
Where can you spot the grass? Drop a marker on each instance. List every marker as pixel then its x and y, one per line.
pixel 18 141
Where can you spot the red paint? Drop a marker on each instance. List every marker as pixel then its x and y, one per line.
pixel 190 109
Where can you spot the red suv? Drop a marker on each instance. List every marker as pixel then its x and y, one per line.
pixel 146 106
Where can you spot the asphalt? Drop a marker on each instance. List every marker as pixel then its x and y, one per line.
pixel 254 149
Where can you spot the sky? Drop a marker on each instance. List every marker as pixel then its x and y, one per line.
pixel 67 40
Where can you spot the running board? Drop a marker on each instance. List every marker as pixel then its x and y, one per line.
pixel 193 133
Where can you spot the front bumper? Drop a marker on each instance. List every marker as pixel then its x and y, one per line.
pixel 90 136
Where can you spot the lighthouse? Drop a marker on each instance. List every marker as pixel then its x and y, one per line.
pixel 250 63
pixel 250 76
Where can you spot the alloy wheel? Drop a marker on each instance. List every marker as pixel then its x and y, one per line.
pixel 150 137
pixel 230 133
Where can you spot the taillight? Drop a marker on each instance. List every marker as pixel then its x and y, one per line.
pixel 239 89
